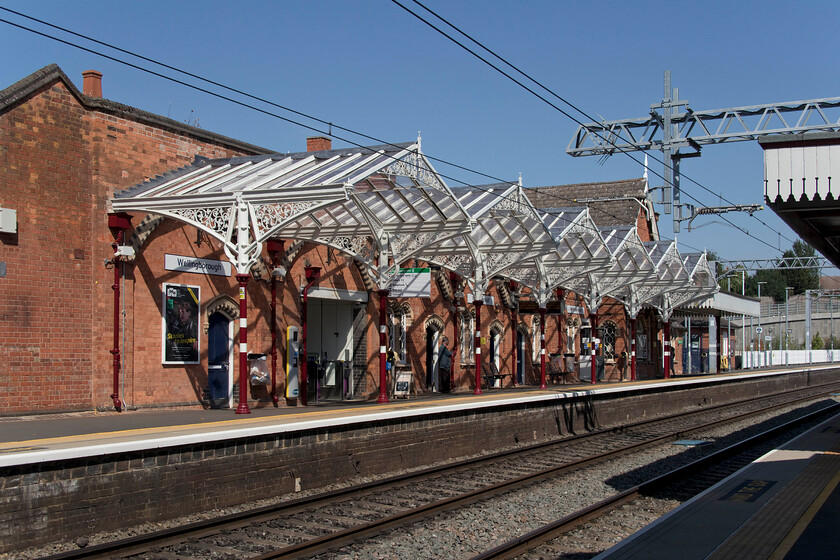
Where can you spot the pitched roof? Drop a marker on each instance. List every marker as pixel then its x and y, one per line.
pixel 22 89
pixel 610 203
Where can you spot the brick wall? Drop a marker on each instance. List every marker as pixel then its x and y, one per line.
pixel 61 161
pixel 64 500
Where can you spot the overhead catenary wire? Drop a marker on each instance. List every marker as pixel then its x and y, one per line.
pixel 330 124
pixel 571 105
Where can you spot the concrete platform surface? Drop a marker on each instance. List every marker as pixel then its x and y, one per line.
pixel 784 505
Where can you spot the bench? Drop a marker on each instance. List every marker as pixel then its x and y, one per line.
pixel 555 374
pixel 491 374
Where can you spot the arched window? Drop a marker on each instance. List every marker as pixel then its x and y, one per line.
pixel 609 332
pixel 398 320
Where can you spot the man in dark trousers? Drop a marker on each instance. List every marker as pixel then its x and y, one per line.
pixel 445 366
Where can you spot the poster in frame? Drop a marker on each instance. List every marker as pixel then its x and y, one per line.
pixel 181 332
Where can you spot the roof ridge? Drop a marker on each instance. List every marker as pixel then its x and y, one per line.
pixel 21 89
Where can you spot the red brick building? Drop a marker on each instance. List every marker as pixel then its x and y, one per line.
pixel 64 155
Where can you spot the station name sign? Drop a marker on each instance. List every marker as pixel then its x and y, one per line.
pixel 196 265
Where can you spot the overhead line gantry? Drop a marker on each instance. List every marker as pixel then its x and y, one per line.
pixel 672 127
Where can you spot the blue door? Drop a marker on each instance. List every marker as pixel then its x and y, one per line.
pixel 218 358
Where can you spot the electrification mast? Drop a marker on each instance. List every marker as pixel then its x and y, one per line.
pixel 678 131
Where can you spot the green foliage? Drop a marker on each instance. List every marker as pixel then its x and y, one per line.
pixel 817 342
pixel 804 278
pixel 775 280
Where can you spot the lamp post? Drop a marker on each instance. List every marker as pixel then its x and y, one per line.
pixel 758 330
pixel 787 329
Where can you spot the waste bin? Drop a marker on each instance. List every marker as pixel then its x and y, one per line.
pixel 258 373
pixel 738 362
pixel 569 365
pixel 599 367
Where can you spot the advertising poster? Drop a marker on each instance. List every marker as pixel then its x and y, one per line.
pixel 180 324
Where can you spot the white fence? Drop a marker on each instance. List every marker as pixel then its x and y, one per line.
pixel 789 357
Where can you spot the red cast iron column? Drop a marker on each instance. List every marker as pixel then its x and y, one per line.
pixel 514 285
pixel 383 342
pixel 593 319
pixel 666 347
pixel 542 349
pixel 632 349
pixel 243 344
pixel 561 322
pixel 477 343
pixel 275 247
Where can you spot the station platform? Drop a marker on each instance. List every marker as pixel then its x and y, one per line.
pixel 35 439
pixel 785 505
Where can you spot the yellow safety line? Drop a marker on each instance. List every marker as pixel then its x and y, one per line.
pixel 800 526
pixel 239 422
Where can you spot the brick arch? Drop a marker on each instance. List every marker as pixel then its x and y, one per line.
pixel 523 328
pixel 434 322
pixel 224 304
pixel 497 326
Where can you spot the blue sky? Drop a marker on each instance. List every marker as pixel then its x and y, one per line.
pixel 369 66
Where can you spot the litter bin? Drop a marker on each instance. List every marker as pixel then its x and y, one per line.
pixel 599 367
pixel 258 373
pixel 738 362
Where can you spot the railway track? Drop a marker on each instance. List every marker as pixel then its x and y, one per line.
pixel 642 502
pixel 317 525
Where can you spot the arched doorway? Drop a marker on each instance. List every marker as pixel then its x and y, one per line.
pixel 495 348
pixel 219 374
pixel 434 328
pixel 521 335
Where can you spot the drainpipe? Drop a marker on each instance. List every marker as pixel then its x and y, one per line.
pixel 383 341
pixel 542 349
pixel 118 222
pixel 275 247
pixel 477 343
pixel 312 273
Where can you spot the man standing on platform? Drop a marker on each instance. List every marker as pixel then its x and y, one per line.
pixel 445 366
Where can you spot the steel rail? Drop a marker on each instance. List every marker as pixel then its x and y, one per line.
pixel 548 532
pixel 178 535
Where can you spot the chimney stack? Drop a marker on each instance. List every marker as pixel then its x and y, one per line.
pixel 318 143
pixel 92 84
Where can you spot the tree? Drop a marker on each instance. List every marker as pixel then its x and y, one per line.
pixel 803 278
pixel 773 284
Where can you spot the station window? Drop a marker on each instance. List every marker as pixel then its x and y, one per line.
pixel 397 333
pixel 608 342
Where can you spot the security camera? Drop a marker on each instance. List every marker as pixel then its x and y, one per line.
pixel 279 272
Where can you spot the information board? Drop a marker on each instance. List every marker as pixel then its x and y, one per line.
pixel 412 282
